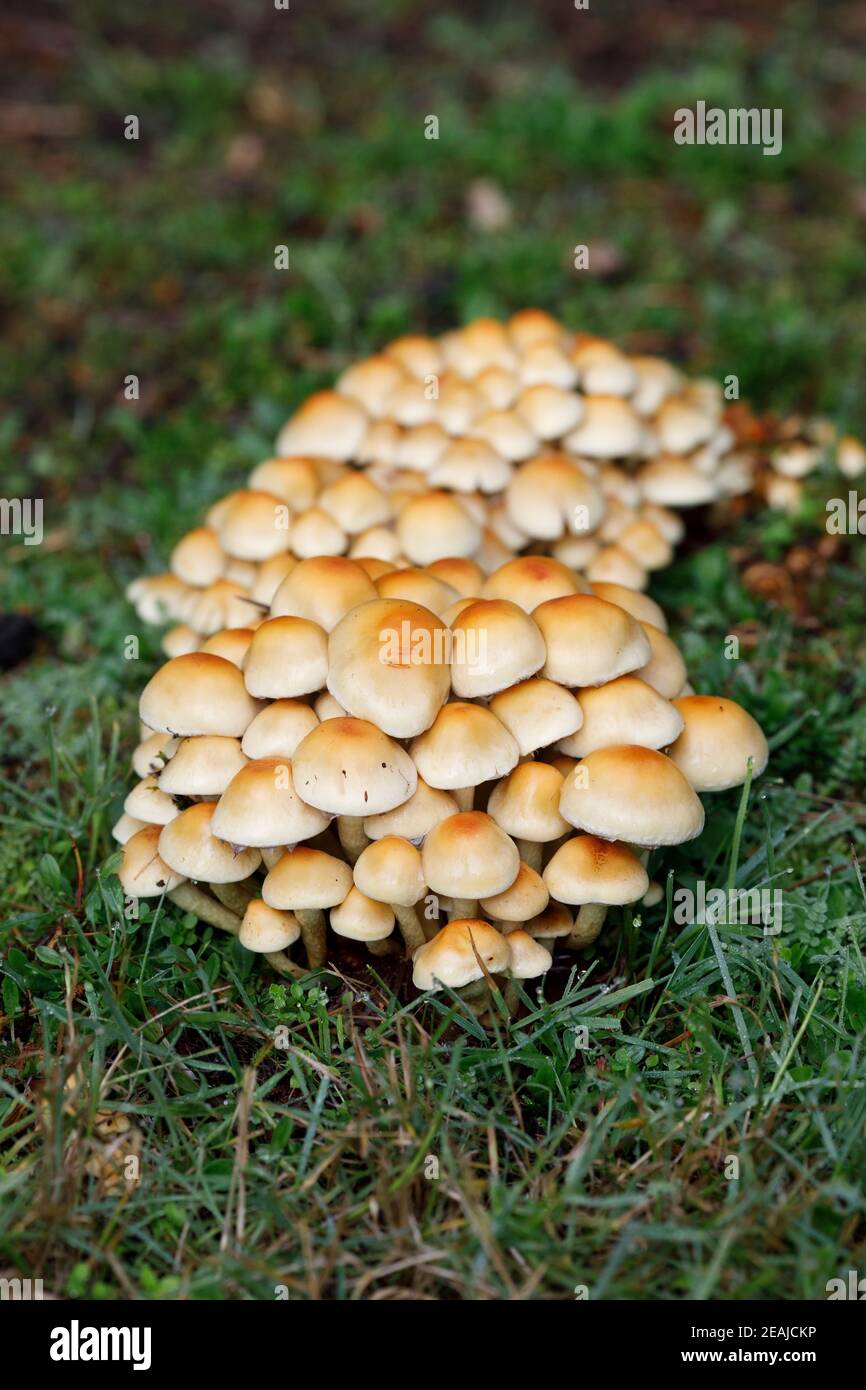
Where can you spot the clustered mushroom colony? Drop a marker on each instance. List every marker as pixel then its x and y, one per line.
pixel 415 682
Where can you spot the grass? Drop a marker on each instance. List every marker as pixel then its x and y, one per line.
pixel 341 1139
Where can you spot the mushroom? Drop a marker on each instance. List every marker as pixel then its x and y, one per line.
pixel 388 663
pixel 348 768
pixel 459 954
pixel 525 804
pixel 718 741
pixel 594 874
pixel 305 881
pixel 389 871
pixel 467 857
pixel 464 746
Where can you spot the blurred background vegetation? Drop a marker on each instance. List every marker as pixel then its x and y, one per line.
pixel 155 257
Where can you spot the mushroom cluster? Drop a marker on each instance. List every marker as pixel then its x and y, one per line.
pixel 489 441
pixel 416 690
pixel 406 755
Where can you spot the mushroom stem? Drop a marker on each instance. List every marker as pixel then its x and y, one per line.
pixel 587 925
pixel 465 797
pixel 206 908
pixel 461 908
pixel 281 963
pixel 351 832
pixel 385 947
pixel 311 921
pixel 236 896
pixel 530 852
pixel 410 927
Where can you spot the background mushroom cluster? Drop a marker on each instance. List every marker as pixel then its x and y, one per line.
pixel 415 690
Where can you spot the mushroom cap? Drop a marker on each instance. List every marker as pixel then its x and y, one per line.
pixel 202 766
pixel 656 380
pixel 426 807
pixel 610 428
pixel 142 873
pixel 528 327
pixel 525 898
pixel 634 794
pixel 417 586
pixel 589 641
pixel 604 370
pixel 198 558
pixel 640 606
pixel 254 526
pixel 327 424
pixel 361 919
pixel 261 806
pixel 232 643
pixel 464 746
pixel 625 710
pixel 370 382
pixel 682 425
pixel 152 754
pixel 665 671
pixel 355 503
pixel 451 958
pixel 389 871
pixel 525 804
pixel 416 354
pixel 147 802
pixel 555 921
pixel 528 957
pixel 494 645
pixel 507 434
pixel 388 662
pixel 269 576
pixel 471 465
pixel 468 856
pixel 348 767
pixel 188 845
pixel 125 827
pixel 198 694
pixel 716 743
pixel 530 580
pixel 646 544
pixel 460 573
pixel 589 870
pixel 550 494
pixel 286 658
pixel 674 482
pixel 537 713
pixel 266 928
pixel 550 411
pixel 316 534
pixel 278 729
pixel 614 565
pixel 304 879
pixel 434 526
pixel 323 589
pixel 295 480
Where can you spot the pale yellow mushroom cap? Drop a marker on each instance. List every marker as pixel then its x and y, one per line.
pixel 202 766
pixel 633 794
pixel 525 898
pixel 267 929
pixel 525 804
pixel 188 845
pixel 198 694
pixel 388 662
pixel 389 871
pixel 287 657
pixel 468 856
pixel 142 873
pixel 589 641
pixel 361 919
pixel 589 870
pixel 625 710
pixel 451 958
pixel 305 879
pixel 718 739
pixel 348 767
pixel 529 958
pixel 494 644
pixel 465 746
pixel 261 806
